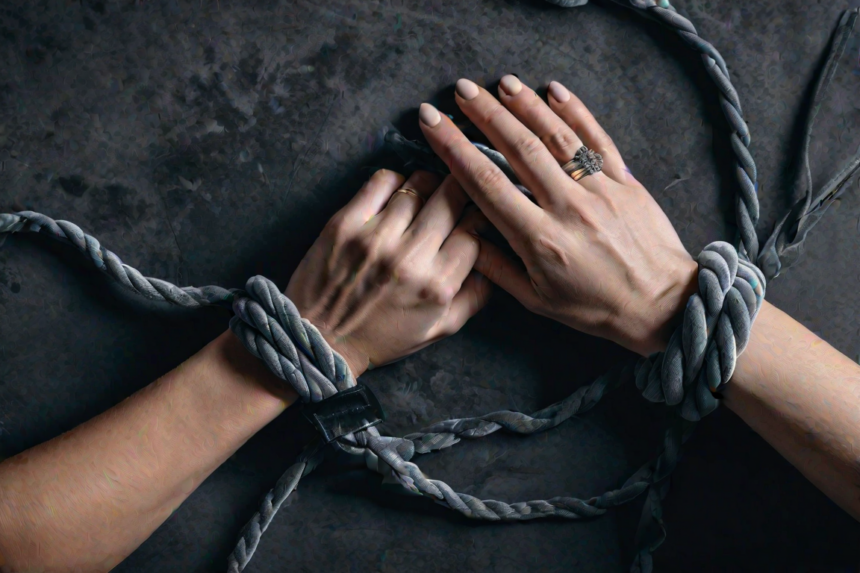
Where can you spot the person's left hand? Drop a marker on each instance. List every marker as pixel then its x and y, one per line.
pixel 598 254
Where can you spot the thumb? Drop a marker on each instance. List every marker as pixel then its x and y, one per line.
pixel 472 297
pixel 507 273
pixel 498 266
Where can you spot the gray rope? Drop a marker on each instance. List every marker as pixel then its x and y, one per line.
pixel 671 376
pixel 746 205
pixel 271 328
pixel 700 357
pixel 107 262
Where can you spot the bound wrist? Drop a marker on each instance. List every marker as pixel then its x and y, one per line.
pixel 247 370
pixel 662 312
pixel 357 360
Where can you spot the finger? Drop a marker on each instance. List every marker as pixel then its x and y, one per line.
pixel 472 297
pixel 380 236
pixel 508 274
pixel 574 113
pixel 458 253
pixel 513 214
pixel 437 219
pixel 534 165
pixel 558 137
pixel 357 230
pixel 369 201
pixel 402 207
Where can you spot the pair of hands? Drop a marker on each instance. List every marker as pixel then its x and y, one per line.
pixel 393 272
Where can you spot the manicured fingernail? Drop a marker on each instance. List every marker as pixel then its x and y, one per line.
pixel 428 115
pixel 558 92
pixel 510 85
pixel 467 89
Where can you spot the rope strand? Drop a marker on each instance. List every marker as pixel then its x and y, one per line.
pixel 699 359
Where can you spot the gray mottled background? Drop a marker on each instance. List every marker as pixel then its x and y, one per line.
pixel 206 141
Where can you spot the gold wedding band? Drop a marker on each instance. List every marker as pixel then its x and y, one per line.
pixel 408 191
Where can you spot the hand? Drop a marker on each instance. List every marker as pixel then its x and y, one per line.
pixel 599 254
pixel 390 274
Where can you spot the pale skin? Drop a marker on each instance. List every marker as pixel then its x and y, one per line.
pixel 386 279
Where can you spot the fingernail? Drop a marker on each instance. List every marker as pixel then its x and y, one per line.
pixel 428 115
pixel 510 85
pixel 467 89
pixel 558 92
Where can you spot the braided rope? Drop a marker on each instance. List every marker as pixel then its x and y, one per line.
pixel 109 263
pixel 746 204
pixel 269 325
pixel 700 357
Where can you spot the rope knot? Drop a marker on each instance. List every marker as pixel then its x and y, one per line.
pixel 702 352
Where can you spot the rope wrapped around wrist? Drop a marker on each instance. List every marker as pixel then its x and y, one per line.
pixel 703 350
pixel 700 357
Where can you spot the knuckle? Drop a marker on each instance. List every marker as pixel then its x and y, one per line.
pixel 336 229
pixel 401 271
pixel 493 114
pixel 436 292
pixel 458 156
pixel 578 109
pixel 489 177
pixel 385 173
pixel 386 176
pixel 493 270
pixel 528 147
pixel 563 141
pixel 365 247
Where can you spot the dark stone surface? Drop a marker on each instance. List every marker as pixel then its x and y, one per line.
pixel 207 141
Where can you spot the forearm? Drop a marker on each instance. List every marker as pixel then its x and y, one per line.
pixel 803 397
pixel 86 499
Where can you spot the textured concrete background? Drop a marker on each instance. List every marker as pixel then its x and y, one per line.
pixel 206 141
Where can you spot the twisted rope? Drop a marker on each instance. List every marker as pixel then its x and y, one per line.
pixel 746 204
pixel 269 325
pixel 110 264
pixel 699 359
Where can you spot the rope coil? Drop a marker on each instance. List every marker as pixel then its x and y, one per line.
pixel 699 359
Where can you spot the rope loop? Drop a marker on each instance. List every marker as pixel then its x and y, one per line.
pixel 715 329
pixel 700 357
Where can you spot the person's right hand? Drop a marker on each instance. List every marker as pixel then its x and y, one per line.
pixel 600 255
pixel 390 274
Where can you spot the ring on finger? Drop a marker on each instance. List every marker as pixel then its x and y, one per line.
pixel 408 191
pixel 585 162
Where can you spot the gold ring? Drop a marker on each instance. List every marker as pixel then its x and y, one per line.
pixel 409 191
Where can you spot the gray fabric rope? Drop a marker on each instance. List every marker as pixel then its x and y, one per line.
pixel 700 357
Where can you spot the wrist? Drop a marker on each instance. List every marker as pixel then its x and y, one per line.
pixel 246 373
pixel 357 360
pixel 663 310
